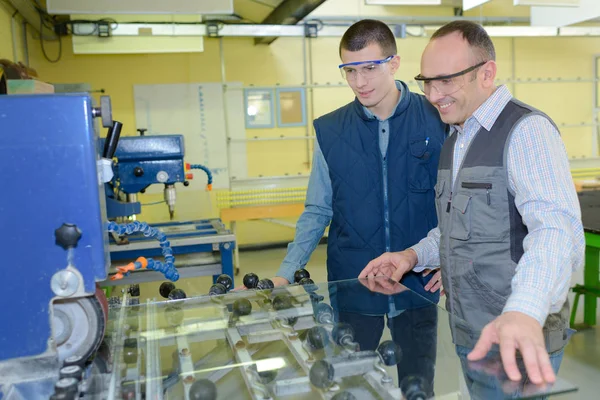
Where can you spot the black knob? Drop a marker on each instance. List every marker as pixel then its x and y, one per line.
pixel 66 385
pixel 242 307
pixel 306 281
pixel 300 274
pixel 74 360
pixel 225 280
pixel 203 389
pixel 321 374
pixel 165 288
pixel 67 235
pixel 324 313
pixel 186 183
pixel 342 334
pixel 177 294
pixel 72 371
pixel 250 280
pixel 282 302
pixel 217 289
pixel 134 290
pixel 141 131
pixel 143 191
pixel 138 171
pixel 265 284
pixel 390 352
pixel 414 388
pixel 344 396
pixel 317 337
pixel 267 377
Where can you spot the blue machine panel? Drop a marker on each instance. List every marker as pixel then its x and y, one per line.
pixel 48 156
pixel 141 158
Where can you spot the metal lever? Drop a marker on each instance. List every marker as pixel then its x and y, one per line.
pixel 112 139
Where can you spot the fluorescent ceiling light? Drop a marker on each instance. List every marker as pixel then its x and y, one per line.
pixel 469 4
pixel 579 31
pixel 517 31
pixel 403 2
pixel 548 3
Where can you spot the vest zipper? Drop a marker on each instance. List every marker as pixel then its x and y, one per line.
pixel 479 185
pixel 386 211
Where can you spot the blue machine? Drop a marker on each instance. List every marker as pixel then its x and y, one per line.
pixel 56 231
pixel 53 216
pixel 144 161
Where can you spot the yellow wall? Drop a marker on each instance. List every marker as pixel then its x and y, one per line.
pixel 6 35
pixel 282 63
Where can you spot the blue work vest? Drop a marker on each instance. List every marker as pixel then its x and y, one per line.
pixel 379 204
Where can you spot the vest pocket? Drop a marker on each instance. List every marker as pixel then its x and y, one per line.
pixel 474 290
pixel 460 225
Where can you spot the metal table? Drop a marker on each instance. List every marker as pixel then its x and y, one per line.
pixel 590 212
pixel 201 248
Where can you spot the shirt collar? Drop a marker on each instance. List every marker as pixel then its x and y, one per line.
pixel 487 113
pixel 370 115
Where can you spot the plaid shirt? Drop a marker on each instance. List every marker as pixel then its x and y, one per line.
pixel 539 174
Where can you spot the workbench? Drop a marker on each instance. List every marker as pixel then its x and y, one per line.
pixel 201 248
pixel 590 213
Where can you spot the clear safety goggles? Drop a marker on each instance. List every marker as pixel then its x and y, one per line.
pixel 447 84
pixel 368 69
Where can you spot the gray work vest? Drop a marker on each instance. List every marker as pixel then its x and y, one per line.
pixel 482 232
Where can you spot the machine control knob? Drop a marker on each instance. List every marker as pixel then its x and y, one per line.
pixel 165 288
pixel 138 171
pixel 177 294
pixel 317 337
pixel 251 280
pixel 142 131
pixel 72 371
pixel 74 360
pixel 203 389
pixel 265 284
pixel 225 280
pixel 324 313
pixel 67 236
pixel 162 176
pixel 217 289
pixel 343 334
pixel 321 374
pixel 242 307
pixel 66 385
pixel 300 274
pixel 414 388
pixel 390 352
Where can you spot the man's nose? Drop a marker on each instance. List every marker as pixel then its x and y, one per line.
pixel 360 80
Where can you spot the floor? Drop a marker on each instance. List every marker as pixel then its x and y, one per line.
pixel 580 367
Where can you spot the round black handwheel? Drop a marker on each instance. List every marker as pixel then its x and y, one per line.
pixel 342 334
pixel 242 307
pixel 317 337
pixel 217 289
pixel 321 374
pixel 250 280
pixel 390 352
pixel 177 294
pixel 301 274
pixel 225 280
pixel 414 388
pixel 265 284
pixel 203 389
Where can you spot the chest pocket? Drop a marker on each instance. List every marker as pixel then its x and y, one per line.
pixel 479 211
pixel 419 166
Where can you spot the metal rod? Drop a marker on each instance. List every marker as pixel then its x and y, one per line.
pixel 224 91
pixel 308 116
pixel 594 112
pixel 311 116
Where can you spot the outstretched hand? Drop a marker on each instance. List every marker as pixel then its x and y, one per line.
pixel 392 265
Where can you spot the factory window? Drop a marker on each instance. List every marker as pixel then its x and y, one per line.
pixel 291 107
pixel 260 112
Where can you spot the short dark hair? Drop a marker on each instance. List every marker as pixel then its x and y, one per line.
pixel 366 32
pixel 474 34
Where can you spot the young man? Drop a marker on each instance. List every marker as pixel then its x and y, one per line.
pixel 374 169
pixel 510 232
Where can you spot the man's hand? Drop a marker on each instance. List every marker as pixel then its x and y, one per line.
pixel 517 331
pixel 383 285
pixel 392 265
pixel 277 281
pixel 435 282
